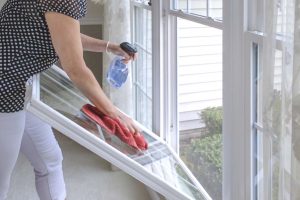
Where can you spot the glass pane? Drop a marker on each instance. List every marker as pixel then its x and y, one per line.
pixel 279 19
pixel 60 94
pixel 269 138
pixel 200 103
pixel 198 7
pixel 209 8
pixel 215 9
pixel 146 2
pixel 142 77
pixel 258 14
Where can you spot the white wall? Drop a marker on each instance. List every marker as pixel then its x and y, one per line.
pixel 94 14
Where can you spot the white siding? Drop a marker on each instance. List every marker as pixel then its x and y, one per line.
pixel 199 71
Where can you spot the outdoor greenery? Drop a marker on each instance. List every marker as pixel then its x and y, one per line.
pixel 204 155
pixel 212 118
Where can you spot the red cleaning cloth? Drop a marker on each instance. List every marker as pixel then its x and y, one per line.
pixel 113 126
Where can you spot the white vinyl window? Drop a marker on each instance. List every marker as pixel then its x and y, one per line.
pixel 207 8
pixel 199 99
pixel 199 72
pixel 266 141
pixel 211 97
pixel 58 102
pixel 187 70
pixel 142 72
pixel 178 81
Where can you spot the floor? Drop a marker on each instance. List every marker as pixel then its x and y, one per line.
pixel 87 176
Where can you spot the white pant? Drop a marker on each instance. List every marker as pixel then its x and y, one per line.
pixel 22 131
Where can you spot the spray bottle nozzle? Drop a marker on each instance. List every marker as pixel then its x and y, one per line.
pixel 128 48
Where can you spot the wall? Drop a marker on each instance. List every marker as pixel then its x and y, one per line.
pixel 94 60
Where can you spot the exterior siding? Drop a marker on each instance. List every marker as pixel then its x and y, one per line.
pixel 199 72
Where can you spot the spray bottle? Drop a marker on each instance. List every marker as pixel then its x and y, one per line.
pixel 118 70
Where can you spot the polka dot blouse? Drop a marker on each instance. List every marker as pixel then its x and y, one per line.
pixel 25 44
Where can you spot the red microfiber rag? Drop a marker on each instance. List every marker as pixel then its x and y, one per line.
pixel 113 126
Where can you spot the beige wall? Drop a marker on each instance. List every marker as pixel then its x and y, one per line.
pixel 94 60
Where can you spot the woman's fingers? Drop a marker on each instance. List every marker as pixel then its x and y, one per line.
pixel 133 127
pixel 117 50
pixel 128 57
pixel 129 124
pixel 137 130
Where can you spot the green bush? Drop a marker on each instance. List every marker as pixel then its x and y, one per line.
pixel 204 155
pixel 212 118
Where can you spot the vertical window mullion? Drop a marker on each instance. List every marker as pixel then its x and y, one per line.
pixel 173 85
pixel 141 16
pixel 255 63
pixel 157 63
pixel 188 6
pixel 255 15
pixel 207 8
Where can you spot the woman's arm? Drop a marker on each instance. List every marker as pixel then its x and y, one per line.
pixel 66 39
pixel 93 44
pixel 96 45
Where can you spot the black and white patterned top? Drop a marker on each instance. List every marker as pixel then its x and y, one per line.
pixel 25 44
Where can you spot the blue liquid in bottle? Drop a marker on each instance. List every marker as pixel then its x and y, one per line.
pixel 117 73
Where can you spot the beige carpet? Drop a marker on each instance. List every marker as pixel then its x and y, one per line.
pixel 87 176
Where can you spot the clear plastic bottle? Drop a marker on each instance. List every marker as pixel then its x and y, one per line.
pixel 117 72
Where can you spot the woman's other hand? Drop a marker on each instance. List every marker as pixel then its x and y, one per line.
pixel 117 50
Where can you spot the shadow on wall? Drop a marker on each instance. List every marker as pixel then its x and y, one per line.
pixel 94 60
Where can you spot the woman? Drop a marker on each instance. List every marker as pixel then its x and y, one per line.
pixel 34 34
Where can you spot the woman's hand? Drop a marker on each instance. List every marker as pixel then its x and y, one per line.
pixel 66 39
pixel 117 50
pixel 126 121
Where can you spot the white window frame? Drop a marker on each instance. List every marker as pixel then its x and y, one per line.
pixel 133 6
pixel 83 137
pixel 254 34
pixel 239 34
pixel 157 62
pixel 170 20
pixel 236 146
pixel 236 103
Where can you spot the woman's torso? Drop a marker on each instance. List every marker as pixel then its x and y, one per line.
pixel 25 46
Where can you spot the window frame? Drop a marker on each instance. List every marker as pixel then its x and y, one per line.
pixel 236 82
pixel 133 6
pixel 254 34
pixel 233 21
pixel 157 61
pixel 240 32
pixel 236 103
pixel 171 15
pixel 257 129
pixel 102 149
